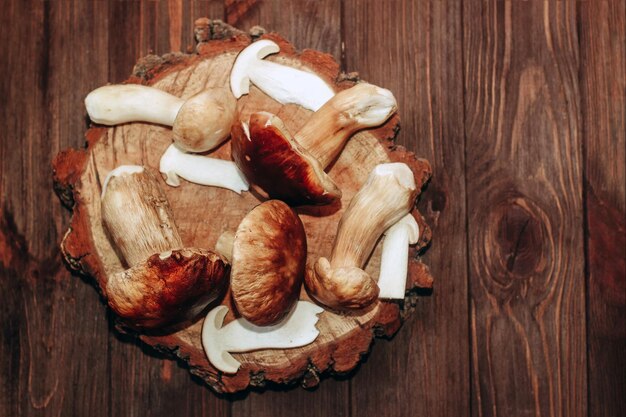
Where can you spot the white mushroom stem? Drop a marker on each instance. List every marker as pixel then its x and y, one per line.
pixel 395 257
pixel 201 170
pixel 296 330
pixel 115 104
pixel 199 123
pixel 282 83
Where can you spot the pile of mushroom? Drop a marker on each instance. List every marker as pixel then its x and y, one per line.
pixel 265 258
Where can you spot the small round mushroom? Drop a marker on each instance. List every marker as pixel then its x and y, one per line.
pixel 292 168
pixel 341 283
pixel 166 282
pixel 268 260
pixel 199 123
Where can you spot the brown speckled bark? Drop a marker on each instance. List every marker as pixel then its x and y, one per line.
pixel 203 214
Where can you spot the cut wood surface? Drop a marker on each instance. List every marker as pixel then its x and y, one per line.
pixel 202 214
pixel 456 85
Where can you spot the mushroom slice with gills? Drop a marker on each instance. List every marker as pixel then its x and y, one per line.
pixel 165 283
pixel 395 257
pixel 296 330
pixel 283 83
pixel 271 159
pixel 200 169
pixel 268 255
pixel 199 123
pixel 292 169
pixel 341 283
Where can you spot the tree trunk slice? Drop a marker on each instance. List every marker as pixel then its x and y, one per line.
pixel 204 213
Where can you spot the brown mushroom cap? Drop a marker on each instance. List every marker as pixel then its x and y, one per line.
pixel 204 121
pixel 167 288
pixel 269 257
pixel 270 158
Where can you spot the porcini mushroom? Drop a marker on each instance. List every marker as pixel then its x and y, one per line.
pixel 282 83
pixel 166 282
pixel 395 257
pixel 199 123
pixel 271 159
pixel 292 168
pixel 340 283
pixel 268 256
pixel 296 330
pixel 200 169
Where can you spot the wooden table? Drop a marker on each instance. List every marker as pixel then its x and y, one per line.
pixel 520 108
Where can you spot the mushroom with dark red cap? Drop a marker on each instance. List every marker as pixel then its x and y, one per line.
pixel 292 168
pixel 166 282
pixel 268 256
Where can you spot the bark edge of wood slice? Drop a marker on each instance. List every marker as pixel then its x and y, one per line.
pixel 78 174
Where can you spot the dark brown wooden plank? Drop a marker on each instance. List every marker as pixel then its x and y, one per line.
pixel 313 24
pixel 602 31
pixel 143 382
pixel 524 187
pixel 414 49
pixel 307 24
pixel 54 329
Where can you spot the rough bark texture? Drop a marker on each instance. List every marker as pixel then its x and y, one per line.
pixel 203 213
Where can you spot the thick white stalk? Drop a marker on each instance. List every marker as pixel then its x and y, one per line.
pixel 296 330
pixel 114 104
pixel 201 170
pixel 290 85
pixel 395 257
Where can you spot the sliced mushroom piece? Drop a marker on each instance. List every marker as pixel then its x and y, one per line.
pixel 340 283
pixel 292 168
pixel 271 159
pixel 166 282
pixel 268 256
pixel 282 83
pixel 395 257
pixel 201 170
pixel 199 123
pixel 296 330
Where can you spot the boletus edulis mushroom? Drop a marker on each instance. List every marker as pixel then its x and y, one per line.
pixel 199 123
pixel 292 168
pixel 165 282
pixel 268 256
pixel 387 196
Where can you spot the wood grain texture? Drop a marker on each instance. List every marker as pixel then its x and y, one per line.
pixel 602 30
pixel 527 355
pixel 426 365
pixel 322 31
pixel 524 192
pixel 42 339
